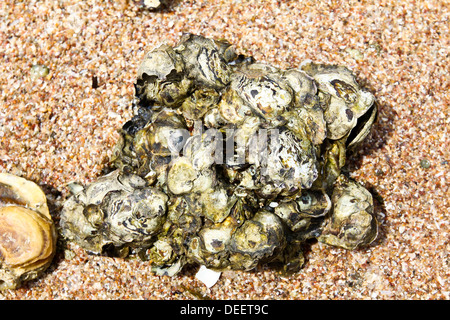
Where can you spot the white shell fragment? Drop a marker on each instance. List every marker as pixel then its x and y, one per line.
pixel 207 276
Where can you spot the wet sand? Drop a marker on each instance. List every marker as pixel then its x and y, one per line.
pixel 57 129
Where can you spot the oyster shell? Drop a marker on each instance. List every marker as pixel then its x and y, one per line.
pixel 259 86
pixel 118 209
pixel 147 151
pixel 162 79
pixel 347 101
pixel 256 239
pixel 352 223
pixel 300 214
pixel 232 163
pixel 204 61
pixel 27 233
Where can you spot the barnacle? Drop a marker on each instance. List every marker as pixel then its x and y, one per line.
pixel 229 163
pixel 27 232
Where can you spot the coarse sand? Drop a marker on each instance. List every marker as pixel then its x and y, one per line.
pixel 60 127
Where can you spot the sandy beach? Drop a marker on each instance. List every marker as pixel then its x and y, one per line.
pixel 59 128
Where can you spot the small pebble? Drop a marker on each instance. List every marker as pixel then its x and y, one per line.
pixel 355 54
pixel 69 254
pixel 39 71
pixel 424 163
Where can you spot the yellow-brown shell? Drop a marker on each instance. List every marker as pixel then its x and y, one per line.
pixel 27 232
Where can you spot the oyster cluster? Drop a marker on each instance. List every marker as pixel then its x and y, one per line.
pixel 229 163
pixel 27 232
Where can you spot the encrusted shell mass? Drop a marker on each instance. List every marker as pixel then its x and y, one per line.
pixel 27 232
pixel 229 163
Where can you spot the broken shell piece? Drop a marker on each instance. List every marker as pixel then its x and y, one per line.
pixel 207 276
pixel 27 232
